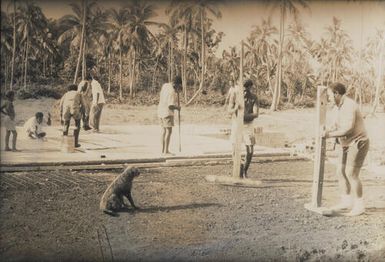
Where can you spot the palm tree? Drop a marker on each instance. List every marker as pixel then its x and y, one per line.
pixel 286 6
pixel 6 40
pixel 263 47
pixel 118 26
pixel 139 34
pixel 380 70
pixel 76 29
pixel 31 26
pixel 204 7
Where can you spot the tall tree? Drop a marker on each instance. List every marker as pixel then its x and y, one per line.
pixel 285 7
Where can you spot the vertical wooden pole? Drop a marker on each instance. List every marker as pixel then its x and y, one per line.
pixel 239 121
pixel 319 160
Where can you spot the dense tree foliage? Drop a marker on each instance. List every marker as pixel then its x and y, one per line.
pixel 135 55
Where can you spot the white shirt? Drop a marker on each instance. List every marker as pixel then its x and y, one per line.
pixel 167 98
pixel 348 121
pixel 33 126
pixel 97 89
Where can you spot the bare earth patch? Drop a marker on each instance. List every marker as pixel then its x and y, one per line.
pixel 49 216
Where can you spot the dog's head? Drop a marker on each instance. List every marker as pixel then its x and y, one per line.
pixel 132 171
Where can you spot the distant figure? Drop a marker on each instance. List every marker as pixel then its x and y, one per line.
pixel 84 88
pixel 350 130
pixel 33 126
pixel 9 122
pixel 251 111
pixel 167 104
pixel 70 107
pixel 98 102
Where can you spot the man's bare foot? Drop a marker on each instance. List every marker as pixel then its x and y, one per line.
pixel 15 150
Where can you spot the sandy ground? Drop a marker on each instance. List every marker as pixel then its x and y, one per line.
pixel 54 216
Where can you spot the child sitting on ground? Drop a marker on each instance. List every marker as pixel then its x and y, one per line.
pixel 33 126
pixel 10 124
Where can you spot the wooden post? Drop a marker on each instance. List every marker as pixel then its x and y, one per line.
pixel 319 156
pixel 239 121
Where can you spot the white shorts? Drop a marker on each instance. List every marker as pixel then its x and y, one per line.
pixel 247 131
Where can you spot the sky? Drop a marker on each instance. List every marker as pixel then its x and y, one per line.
pixel 239 16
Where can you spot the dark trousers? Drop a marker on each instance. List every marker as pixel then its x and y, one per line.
pixel 76 131
pixel 86 116
pixel 96 112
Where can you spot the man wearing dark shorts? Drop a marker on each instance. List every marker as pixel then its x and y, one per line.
pixel 167 104
pixel 349 129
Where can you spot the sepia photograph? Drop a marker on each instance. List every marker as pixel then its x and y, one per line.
pixel 192 130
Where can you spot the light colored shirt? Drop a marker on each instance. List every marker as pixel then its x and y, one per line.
pixel 97 89
pixel 33 126
pixel 71 102
pixel 168 97
pixel 348 122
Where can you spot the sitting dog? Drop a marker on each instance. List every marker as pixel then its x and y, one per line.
pixel 112 199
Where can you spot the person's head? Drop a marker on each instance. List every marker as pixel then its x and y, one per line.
pixel 39 117
pixel 177 83
pixel 88 77
pixel 247 85
pixel 338 91
pixel 84 87
pixel 72 87
pixel 10 95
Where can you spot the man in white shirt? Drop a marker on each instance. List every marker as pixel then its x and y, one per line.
pixel 33 126
pixel 349 129
pixel 167 104
pixel 84 88
pixel 98 102
pixel 70 107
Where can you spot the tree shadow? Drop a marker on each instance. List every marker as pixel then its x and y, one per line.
pixel 156 209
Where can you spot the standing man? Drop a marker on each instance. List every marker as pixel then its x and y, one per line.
pixel 250 113
pixel 98 102
pixel 70 107
pixel 349 129
pixel 84 88
pixel 168 102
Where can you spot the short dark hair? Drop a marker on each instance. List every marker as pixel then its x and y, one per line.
pixel 177 80
pixel 10 94
pixel 338 87
pixel 39 115
pixel 88 77
pixel 248 83
pixel 72 87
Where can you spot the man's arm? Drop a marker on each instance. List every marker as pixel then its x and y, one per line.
pixel 345 125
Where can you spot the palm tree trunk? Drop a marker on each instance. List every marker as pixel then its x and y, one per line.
pixel 120 73
pixel 132 73
pixel 379 75
pixel 277 88
pixel 13 46
pixel 84 65
pixel 184 63
pixel 26 63
pixel 109 71
pixel 203 58
pixel 81 42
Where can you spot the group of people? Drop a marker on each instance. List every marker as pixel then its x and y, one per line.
pixel 347 128
pixel 87 99
pixel 83 102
